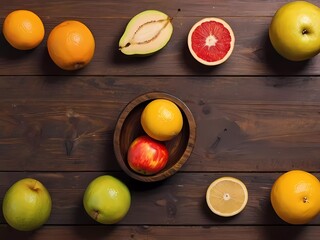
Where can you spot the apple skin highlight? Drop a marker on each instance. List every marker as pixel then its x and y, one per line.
pixel 147 156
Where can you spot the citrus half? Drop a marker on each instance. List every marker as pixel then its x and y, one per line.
pixel 227 196
pixel 211 41
pixel 161 119
pixel 23 29
pixel 295 197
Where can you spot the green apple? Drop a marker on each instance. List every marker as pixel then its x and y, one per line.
pixel 295 30
pixel 107 200
pixel 26 205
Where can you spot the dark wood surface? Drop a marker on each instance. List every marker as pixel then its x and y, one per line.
pixel 58 126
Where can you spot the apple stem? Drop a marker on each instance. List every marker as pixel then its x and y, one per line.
pixel 304 31
pixel 95 214
pixel 34 187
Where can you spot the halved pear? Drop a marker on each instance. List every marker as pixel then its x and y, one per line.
pixel 146 33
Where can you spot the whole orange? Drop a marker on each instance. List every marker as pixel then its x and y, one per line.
pixel 71 45
pixel 23 29
pixel 161 119
pixel 295 197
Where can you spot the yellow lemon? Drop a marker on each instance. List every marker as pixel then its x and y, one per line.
pixel 161 119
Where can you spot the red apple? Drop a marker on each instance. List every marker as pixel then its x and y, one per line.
pixel 147 156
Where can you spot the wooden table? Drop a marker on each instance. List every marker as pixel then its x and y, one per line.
pixel 57 126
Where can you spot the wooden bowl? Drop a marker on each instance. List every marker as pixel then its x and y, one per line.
pixel 128 128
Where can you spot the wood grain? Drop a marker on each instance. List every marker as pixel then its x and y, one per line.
pixel 243 123
pixel 111 8
pixel 164 233
pixel 257 116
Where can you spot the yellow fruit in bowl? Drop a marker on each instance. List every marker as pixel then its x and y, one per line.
pixel 23 29
pixel 295 197
pixel 161 119
pixel 71 45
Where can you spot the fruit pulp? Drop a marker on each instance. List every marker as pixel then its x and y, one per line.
pixel 211 41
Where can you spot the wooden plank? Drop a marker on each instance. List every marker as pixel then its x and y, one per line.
pixel 197 90
pixel 257 116
pixel 243 124
pixel 253 53
pixel 164 233
pixel 179 200
pixel 112 8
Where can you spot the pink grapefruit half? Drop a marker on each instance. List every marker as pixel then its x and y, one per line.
pixel 211 41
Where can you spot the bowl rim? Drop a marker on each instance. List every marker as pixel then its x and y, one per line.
pixel 122 118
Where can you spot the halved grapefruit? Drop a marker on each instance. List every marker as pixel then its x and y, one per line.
pixel 211 41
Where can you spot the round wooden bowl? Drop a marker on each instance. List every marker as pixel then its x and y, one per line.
pixel 128 128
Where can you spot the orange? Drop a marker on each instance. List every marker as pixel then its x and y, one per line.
pixel 23 29
pixel 161 119
pixel 71 45
pixel 295 197
pixel 227 196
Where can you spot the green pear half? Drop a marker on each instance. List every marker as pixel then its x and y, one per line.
pixel 146 33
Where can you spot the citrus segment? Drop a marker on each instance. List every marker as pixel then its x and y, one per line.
pixel 23 29
pixel 71 45
pixel 295 197
pixel 211 41
pixel 227 196
pixel 161 119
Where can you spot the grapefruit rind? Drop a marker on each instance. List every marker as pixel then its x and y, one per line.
pixel 210 192
pixel 232 42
